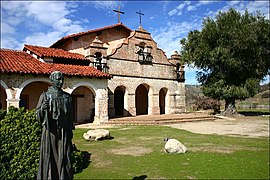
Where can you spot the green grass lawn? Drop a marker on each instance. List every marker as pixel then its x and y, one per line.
pixel 137 151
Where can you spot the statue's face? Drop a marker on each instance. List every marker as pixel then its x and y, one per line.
pixel 58 81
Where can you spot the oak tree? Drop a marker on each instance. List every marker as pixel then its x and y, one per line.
pixel 231 52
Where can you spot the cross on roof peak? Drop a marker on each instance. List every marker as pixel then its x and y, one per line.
pixel 140 14
pixel 118 12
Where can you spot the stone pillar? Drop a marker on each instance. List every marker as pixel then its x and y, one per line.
pixel 153 104
pixel 126 105
pixel 167 104
pixel 111 105
pixel 13 102
pixel 178 103
pixel 101 110
pixel 101 107
pixel 131 106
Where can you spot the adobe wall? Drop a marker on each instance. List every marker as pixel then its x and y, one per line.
pixel 106 36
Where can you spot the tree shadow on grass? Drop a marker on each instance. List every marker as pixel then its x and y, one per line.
pixel 142 177
pixel 254 113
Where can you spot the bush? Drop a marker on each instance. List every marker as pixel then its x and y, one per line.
pixel 265 94
pixel 80 159
pixel 207 103
pixel 20 145
pixel 2 114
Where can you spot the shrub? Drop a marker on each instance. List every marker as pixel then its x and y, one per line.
pixel 80 159
pixel 2 114
pixel 20 145
pixel 207 103
pixel 265 94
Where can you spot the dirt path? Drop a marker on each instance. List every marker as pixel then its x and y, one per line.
pixel 241 126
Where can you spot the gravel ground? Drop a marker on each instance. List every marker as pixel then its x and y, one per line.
pixel 241 126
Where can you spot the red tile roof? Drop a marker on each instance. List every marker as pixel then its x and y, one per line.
pixel 12 61
pixel 88 32
pixel 53 52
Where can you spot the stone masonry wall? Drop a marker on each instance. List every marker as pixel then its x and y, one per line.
pixel 175 97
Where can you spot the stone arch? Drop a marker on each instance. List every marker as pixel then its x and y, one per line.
pixel 28 81
pixel 83 99
pixel 5 94
pixel 7 90
pixel 120 101
pixel 142 99
pixel 30 94
pixel 162 99
pixel 85 84
pixel 3 97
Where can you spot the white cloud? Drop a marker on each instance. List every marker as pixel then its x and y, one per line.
pixel 107 6
pixel 43 39
pixel 172 12
pixel 241 6
pixel 203 2
pixel 47 12
pixel 7 29
pixel 34 16
pixel 262 6
pixel 179 9
pixel 191 8
pixel 168 37
pixel 187 5
pixel 10 42
pixel 233 3
pixel 165 5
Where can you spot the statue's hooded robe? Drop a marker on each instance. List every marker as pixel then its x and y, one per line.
pixel 55 150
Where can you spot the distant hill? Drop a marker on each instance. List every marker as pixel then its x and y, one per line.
pixel 194 93
pixel 264 87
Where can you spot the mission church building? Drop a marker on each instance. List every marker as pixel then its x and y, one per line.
pixel 110 72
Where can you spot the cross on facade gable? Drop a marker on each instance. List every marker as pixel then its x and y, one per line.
pixel 119 12
pixel 140 14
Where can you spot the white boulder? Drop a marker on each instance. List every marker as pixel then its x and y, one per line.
pixel 174 146
pixel 96 134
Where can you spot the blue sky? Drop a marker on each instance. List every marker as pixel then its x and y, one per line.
pixel 44 22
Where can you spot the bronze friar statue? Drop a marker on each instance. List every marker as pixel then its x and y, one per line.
pixel 54 111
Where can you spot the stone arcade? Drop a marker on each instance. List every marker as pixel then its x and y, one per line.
pixel 110 72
